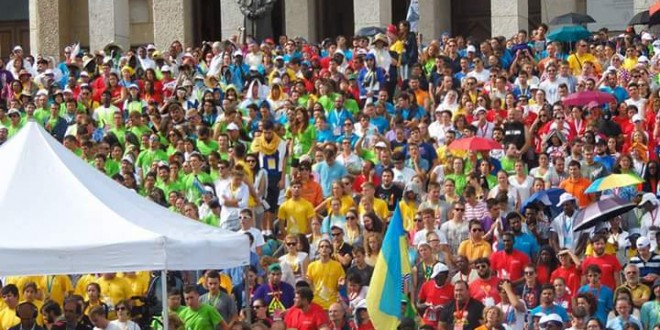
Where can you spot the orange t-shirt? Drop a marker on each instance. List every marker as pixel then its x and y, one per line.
pixel 576 187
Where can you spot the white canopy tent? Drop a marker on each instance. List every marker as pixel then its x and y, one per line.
pixel 62 216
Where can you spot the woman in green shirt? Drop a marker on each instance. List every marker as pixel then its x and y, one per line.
pixel 304 134
pixel 458 174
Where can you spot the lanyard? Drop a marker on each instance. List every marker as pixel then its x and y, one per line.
pixel 49 282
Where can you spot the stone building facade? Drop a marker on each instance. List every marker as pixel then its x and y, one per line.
pixel 54 24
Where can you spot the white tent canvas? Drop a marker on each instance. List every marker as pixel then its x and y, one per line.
pixel 62 216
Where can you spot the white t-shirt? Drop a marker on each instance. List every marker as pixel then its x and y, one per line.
pixel 512 317
pixel 258 238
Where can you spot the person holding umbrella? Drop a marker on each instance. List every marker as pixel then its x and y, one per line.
pixel 650 219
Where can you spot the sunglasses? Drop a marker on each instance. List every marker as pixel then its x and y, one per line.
pixel 476 230
pixel 336 234
pixel 459 210
pixel 418 220
pixel 120 308
pixel 258 306
pixel 530 273
pixel 242 217
pixel 291 243
pixel 350 217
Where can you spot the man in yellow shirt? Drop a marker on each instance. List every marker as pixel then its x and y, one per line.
pixel 55 287
pixel 8 316
pixel 475 246
pixel 581 55
pixel 296 213
pixel 379 205
pixel 325 276
pixel 113 289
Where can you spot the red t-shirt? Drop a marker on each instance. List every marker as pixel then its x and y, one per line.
pixel 509 266
pixel 313 319
pixel 609 266
pixel 485 291
pixel 543 274
pixel 438 296
pixel 571 276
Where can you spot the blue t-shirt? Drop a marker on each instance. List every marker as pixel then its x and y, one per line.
pixel 555 309
pixel 526 243
pixel 605 300
pixel 329 174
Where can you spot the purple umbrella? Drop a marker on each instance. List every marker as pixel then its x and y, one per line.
pixel 604 209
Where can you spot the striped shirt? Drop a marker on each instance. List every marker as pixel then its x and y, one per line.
pixel 478 211
pixel 652 266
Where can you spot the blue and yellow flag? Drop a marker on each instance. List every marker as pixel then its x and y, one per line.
pixel 392 268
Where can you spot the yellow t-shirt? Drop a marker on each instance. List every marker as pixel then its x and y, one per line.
pixel 473 250
pixel 324 278
pixel 346 203
pixel 55 287
pixel 297 214
pixel 139 285
pixel 225 282
pixel 8 318
pixel 380 208
pixel 639 292
pixel 20 281
pixel 609 249
pixel 408 210
pixel 112 291
pixel 82 283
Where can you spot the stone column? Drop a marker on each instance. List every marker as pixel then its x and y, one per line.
pixel 300 19
pixel 45 33
pixel 172 21
pixel 109 22
pixel 230 18
pixel 508 16
pixel 434 18
pixel 553 8
pixel 372 13
pixel 641 5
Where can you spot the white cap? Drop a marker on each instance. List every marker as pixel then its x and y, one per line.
pixel 381 144
pixel 68 90
pixel 232 127
pixel 238 53
pixel 439 268
pixel 208 190
pixel 636 117
pixel 643 242
pixel 151 47
pixel 13 111
pixel 84 74
pixel 42 92
pixel 18 48
pixel 3 127
pixel 647 36
pixel 128 159
pixel 480 109
pixel 642 59
pixel 339 51
pixel 166 68
pixel 254 68
pixel 611 68
pixel 471 49
pixel 423 243
pixel 552 317
pixel 133 86
pixel 565 197
pixel 188 55
pixel 648 197
pixel 49 71
pixel 279 57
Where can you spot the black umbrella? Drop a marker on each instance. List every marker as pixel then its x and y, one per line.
pixel 572 18
pixel 369 31
pixel 643 18
pixel 604 209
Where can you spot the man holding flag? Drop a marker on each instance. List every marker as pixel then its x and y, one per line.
pixel 392 269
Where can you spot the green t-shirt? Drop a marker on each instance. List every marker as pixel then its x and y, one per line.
pixel 148 157
pixel 352 106
pixel 12 130
pixel 168 187
pixel 327 101
pixel 212 220
pixel 140 130
pixel 304 141
pixel 193 188
pixel 205 148
pixel 206 317
pixel 120 133
pixel 157 323
pixel 460 180
pixel 112 167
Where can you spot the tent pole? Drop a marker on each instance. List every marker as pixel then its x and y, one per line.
pixel 163 290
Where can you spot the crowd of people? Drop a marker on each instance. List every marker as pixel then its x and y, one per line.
pixel 308 149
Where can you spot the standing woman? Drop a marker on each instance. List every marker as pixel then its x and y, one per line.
pixel 410 53
pixel 374 242
pixel 294 260
pixel 260 186
pixel 93 298
pixel 493 318
pixel 303 134
pixel 546 263
pixel 521 181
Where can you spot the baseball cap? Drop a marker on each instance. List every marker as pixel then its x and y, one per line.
pixel 166 68
pixel 550 318
pixel 439 268
pixel 232 127
pixel 84 74
pixel 643 242
pixel 565 197
pixel 381 144
pixel 13 112
pixel 151 47
pixel 648 197
pixel 636 118
pixel 238 53
pixel 471 49
pixel 423 243
pixel 480 109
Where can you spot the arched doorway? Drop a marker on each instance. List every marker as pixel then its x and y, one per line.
pixel 334 18
pixel 206 21
pixel 471 19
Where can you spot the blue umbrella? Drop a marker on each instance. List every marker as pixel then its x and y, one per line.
pixel 548 197
pixel 569 33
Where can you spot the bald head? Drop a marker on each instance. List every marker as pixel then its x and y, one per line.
pixel 336 312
